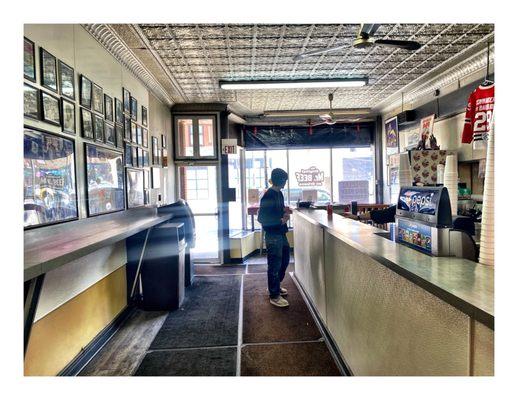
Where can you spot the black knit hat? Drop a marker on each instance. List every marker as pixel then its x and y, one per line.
pixel 279 176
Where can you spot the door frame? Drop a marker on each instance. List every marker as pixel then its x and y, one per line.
pixel 178 183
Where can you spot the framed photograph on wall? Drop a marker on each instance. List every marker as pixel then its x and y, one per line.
pixel 127 128
pixel 50 179
pixel 134 108
pixel 68 113
pixel 144 116
pixel 97 99
pixel 140 157
pixel 146 179
pixel 119 114
pixel 164 141
pixel 139 135
pixel 98 128
pixel 87 130
pixel 135 187
pixel 134 156
pixel 133 132
pixel 49 70
pixel 31 102
pixel 67 85
pixel 109 133
pixel 154 150
pixel 119 135
pixel 145 158
pixel 105 180
pixel 50 109
pixel 126 96
pixel 155 178
pixel 144 137
pixel 392 135
pixel 108 108
pixel 85 92
pixel 127 155
pixel 29 60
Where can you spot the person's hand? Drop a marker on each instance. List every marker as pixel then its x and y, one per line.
pixel 285 218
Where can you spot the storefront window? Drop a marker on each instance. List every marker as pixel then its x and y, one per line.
pixel 185 139
pixel 309 176
pixel 192 145
pixel 206 137
pixel 353 175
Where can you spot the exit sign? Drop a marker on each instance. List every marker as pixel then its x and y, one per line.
pixel 228 146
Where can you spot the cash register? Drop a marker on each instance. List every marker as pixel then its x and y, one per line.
pixel 424 222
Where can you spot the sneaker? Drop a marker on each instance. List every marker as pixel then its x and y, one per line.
pixel 284 292
pixel 279 302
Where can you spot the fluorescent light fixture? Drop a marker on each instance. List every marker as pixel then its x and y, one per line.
pixel 293 84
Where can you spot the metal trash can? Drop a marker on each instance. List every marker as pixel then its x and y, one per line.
pixel 163 268
pixel 181 212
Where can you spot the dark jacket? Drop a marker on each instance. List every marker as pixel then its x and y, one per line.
pixel 271 210
pixel 384 216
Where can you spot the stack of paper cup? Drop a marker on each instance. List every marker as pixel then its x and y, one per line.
pixel 405 174
pixel 450 181
pixel 440 174
pixel 487 234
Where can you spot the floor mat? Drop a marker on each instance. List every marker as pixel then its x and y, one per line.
pixel 263 322
pixel 219 270
pixel 288 359
pixel 195 362
pixel 208 317
pixel 263 268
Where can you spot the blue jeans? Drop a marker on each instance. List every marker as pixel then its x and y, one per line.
pixel 278 255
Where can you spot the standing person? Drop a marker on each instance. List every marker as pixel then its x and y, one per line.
pixel 273 218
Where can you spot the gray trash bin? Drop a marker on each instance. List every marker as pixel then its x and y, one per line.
pixel 163 268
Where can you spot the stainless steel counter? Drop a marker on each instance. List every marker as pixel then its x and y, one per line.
pixel 50 247
pixel 466 285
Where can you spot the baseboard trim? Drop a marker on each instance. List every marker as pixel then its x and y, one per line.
pixel 75 366
pixel 331 344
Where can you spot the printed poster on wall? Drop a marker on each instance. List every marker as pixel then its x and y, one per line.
pixel 425 132
pixel 392 135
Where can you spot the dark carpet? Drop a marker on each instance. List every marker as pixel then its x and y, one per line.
pixel 219 269
pixel 263 322
pixel 208 317
pixel 288 359
pixel 263 268
pixel 195 362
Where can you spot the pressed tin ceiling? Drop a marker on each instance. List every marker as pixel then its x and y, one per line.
pixel 196 57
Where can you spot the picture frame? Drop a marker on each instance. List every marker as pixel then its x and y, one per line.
pixel 139 135
pixel 85 92
pixel 134 108
pixel 144 115
pixel 164 141
pixel 134 187
pixel 108 108
pixel 97 99
pixel 109 134
pixel 48 70
pixel 31 102
pixel 50 109
pixel 134 156
pixel 146 180
pixel 87 130
pixel 126 99
pixel 155 178
pixel 29 60
pixel 154 150
pixel 98 123
pixel 133 132
pixel 67 86
pixel 145 158
pixel 127 128
pixel 119 113
pixel 145 136
pixel 119 135
pixel 140 157
pixel 392 135
pixel 127 155
pixel 68 114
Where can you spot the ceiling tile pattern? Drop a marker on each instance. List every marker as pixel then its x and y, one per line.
pixel 198 56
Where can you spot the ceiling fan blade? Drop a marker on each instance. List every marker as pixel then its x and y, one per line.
pixel 402 44
pixel 325 116
pixel 301 56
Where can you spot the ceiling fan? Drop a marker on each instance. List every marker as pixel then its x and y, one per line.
pixel 330 118
pixel 365 40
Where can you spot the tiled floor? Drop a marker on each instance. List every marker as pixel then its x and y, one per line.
pixel 269 341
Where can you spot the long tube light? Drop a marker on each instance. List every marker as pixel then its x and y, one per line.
pixel 293 84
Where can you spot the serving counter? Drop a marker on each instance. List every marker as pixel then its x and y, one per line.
pixel 389 309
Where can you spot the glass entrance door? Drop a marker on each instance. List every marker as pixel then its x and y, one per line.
pixel 199 187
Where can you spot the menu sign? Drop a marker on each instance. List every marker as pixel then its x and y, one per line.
pixel 418 201
pixel 416 235
pixel 310 177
